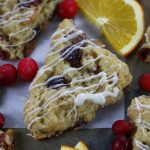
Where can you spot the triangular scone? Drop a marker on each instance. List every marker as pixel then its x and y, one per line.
pixel 139 112
pixel 78 78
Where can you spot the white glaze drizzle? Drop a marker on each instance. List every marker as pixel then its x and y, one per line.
pixel 37 118
pixel 147 39
pixel 60 94
pixel 97 98
pixel 141 145
pixel 140 124
pixel 58 59
pixel 15 17
pixel 26 41
pixel 23 2
pixel 140 106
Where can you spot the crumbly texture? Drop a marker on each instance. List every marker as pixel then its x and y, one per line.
pixel 49 110
pixel 145 51
pixel 147 44
pixel 7 140
pixel 139 112
pixel 21 22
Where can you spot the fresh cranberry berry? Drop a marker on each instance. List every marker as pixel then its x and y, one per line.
pixel 144 82
pixel 122 127
pixel 121 143
pixel 8 74
pixel 67 9
pixel 27 69
pixel 2 120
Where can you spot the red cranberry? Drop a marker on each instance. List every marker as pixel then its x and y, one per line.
pixel 67 9
pixel 144 82
pixel 8 74
pixel 122 127
pixel 27 69
pixel 121 143
pixel 2 120
pixel 143 53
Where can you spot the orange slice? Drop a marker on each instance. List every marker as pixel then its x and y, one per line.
pixel 122 21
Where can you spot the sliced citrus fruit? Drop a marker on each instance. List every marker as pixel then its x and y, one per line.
pixel 122 21
pixel 65 147
pixel 81 146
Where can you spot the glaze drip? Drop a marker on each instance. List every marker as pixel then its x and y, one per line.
pixel 142 124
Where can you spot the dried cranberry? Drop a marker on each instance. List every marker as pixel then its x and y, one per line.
pixel 56 81
pixel 79 38
pixel 143 53
pixel 74 58
pixel 4 55
pixel 37 29
pixel 2 120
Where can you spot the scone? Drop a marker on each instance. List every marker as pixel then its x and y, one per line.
pixel 139 113
pixel 7 140
pixel 144 53
pixel 20 23
pixel 78 78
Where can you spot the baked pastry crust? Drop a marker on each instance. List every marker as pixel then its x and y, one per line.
pixel 139 112
pixel 20 23
pixel 7 140
pixel 78 78
pixel 144 53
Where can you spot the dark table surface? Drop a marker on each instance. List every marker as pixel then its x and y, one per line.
pixel 97 139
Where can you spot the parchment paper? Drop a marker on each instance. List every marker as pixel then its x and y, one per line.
pixel 13 98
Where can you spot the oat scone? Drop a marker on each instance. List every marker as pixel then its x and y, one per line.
pixel 20 23
pixel 139 113
pixel 78 78
pixel 7 140
pixel 144 53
